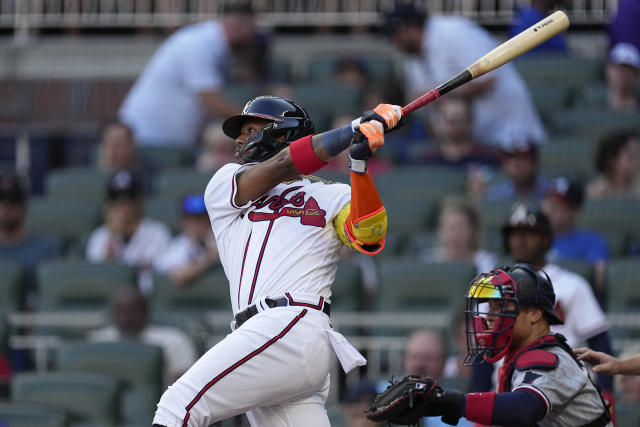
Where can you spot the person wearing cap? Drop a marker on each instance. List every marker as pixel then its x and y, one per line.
pixel 618 164
pixel 127 236
pixel 523 180
pixel 435 50
pixel 623 75
pixel 17 242
pixel 527 235
pixel 563 206
pixel 193 251
pixel 183 82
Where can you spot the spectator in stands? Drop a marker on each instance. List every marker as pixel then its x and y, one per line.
pixel 357 399
pixel 194 251
pixel 351 71
pixel 451 124
pixel 459 236
pixel 117 150
pixel 127 236
pixel 522 181
pixel 563 205
pixel 527 236
pixel 130 322
pixel 617 162
pixel 215 149
pixel 526 16
pixel 425 353
pixel 17 242
pixel 183 82
pixel 623 75
pixel 503 111
pixel 624 25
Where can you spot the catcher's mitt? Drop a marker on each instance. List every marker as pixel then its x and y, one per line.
pixel 404 401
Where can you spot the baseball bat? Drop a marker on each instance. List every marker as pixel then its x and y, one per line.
pixel 511 49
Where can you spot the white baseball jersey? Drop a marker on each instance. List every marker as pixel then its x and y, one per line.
pixel 282 242
pixel 570 397
pixel 576 305
pixel 275 366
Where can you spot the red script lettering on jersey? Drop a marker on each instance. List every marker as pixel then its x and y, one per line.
pixel 309 213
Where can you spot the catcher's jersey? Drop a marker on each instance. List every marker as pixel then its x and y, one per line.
pixel 570 397
pixel 301 259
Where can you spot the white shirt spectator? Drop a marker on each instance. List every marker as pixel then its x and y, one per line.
pixel 576 305
pixel 182 251
pixel 163 106
pixel 149 241
pixel 178 350
pixel 504 114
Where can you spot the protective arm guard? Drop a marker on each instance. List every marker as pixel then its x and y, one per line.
pixel 362 223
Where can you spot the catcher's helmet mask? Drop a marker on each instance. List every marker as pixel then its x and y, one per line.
pixel 520 285
pixel 289 122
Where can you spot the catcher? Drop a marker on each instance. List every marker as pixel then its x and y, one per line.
pixel 508 313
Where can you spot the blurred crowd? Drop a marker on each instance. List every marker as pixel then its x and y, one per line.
pixel 495 136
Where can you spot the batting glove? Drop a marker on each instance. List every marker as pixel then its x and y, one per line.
pixel 389 115
pixel 364 143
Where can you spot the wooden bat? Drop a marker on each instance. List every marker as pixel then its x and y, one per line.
pixel 512 48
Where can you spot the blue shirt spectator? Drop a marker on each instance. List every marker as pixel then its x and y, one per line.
pixel 583 245
pixel 526 17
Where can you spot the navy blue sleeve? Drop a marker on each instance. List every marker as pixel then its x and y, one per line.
pixel 601 342
pixel 482 378
pixel 518 408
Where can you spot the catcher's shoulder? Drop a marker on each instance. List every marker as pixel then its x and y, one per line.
pixel 537 359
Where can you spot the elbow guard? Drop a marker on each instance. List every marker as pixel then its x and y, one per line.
pixel 365 234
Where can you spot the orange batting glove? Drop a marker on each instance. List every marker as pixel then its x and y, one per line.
pixel 387 114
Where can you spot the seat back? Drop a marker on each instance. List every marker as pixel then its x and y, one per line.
pixel 64 183
pixel 208 292
pixel 87 398
pixel 623 292
pixel 11 286
pixel 138 367
pixel 23 414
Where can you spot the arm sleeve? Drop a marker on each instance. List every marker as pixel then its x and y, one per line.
pixel 481 377
pixel 518 408
pixel 601 342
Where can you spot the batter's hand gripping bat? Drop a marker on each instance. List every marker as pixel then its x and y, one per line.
pixel 512 48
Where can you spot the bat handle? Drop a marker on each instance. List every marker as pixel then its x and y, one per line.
pixel 421 101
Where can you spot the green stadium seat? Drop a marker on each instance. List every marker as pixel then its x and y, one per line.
pixel 346 291
pixel 323 67
pixel 164 157
pixel 407 285
pixel 569 158
pixel 22 414
pixel 138 367
pixel 4 334
pixel 86 184
pixel 592 122
pixel 408 217
pixel 280 70
pixel 326 100
pixel 619 215
pixel 494 213
pixel 11 286
pixel 593 96
pixel 420 183
pixel 88 399
pixel 72 284
pixel 623 292
pixel 549 97
pixel 582 268
pixel 175 183
pixel 239 93
pixel 570 70
pixel 165 209
pixel 627 413
pixel 617 241
pixel 208 292
pixel 67 220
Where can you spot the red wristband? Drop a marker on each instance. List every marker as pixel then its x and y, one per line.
pixel 479 407
pixel 303 156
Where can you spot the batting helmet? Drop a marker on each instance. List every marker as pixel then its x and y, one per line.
pixel 523 217
pixel 288 118
pixel 493 302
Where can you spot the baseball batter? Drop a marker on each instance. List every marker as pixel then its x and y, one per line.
pixel 279 234
pixel 541 382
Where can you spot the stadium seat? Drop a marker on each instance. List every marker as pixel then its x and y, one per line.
pixel 494 213
pixel 69 284
pixel 175 183
pixel 592 122
pixel 407 285
pixel 88 399
pixel 408 217
pixel 323 67
pixel 573 71
pixel 67 220
pixel 86 184
pixel 611 215
pixel 549 97
pixel 164 157
pixel 4 334
pixel 419 183
pixel 325 100
pixel 623 292
pixel 346 292
pixel 165 209
pixel 593 96
pixel 23 414
pixel 11 286
pixel 582 268
pixel 569 158
pixel 208 292
pixel 138 367
pixel 240 93
pixel 617 241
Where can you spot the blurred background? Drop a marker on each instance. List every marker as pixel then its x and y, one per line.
pixel 110 116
